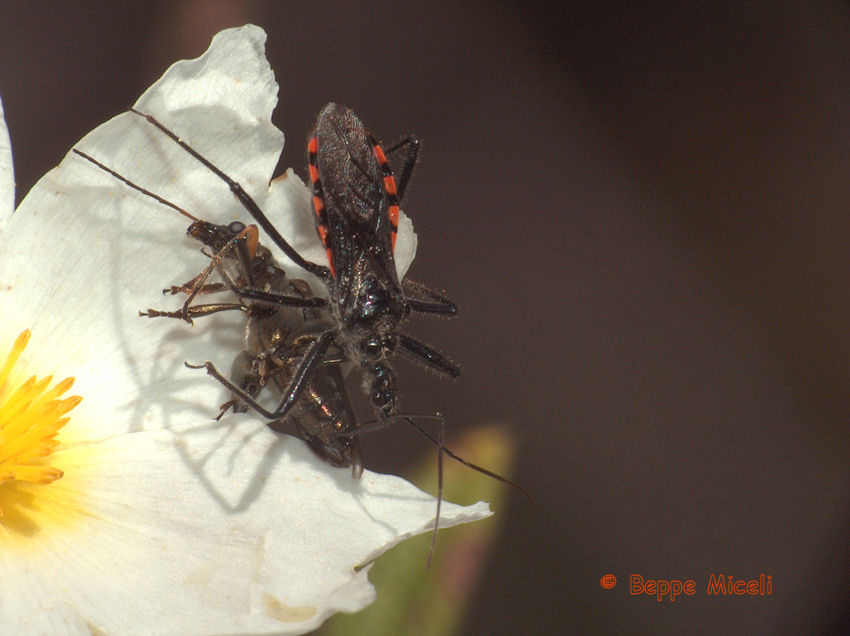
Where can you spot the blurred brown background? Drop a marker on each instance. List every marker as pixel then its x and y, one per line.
pixel 643 215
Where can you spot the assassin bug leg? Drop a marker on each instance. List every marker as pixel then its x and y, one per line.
pixel 377 425
pixel 440 305
pixel 293 390
pixel 425 355
pixel 444 309
pixel 440 446
pixel 440 443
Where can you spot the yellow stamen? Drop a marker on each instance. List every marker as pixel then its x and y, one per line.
pixel 31 416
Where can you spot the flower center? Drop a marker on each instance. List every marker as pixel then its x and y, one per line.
pixel 31 415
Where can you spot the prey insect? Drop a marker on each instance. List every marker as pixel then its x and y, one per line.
pixel 278 310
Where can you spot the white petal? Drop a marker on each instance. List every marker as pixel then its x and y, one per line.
pixel 405 248
pixel 273 553
pixel 193 526
pixel 7 172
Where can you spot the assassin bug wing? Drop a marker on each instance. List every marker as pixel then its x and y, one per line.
pixel 354 198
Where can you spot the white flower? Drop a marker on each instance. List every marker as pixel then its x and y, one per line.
pixel 165 521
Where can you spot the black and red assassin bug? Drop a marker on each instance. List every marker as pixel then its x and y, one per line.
pixel 356 201
pixel 357 221
pixel 277 309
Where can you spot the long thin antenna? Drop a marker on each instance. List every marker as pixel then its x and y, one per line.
pixel 123 179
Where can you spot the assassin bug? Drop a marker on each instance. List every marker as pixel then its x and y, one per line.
pixel 356 202
pixel 277 309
